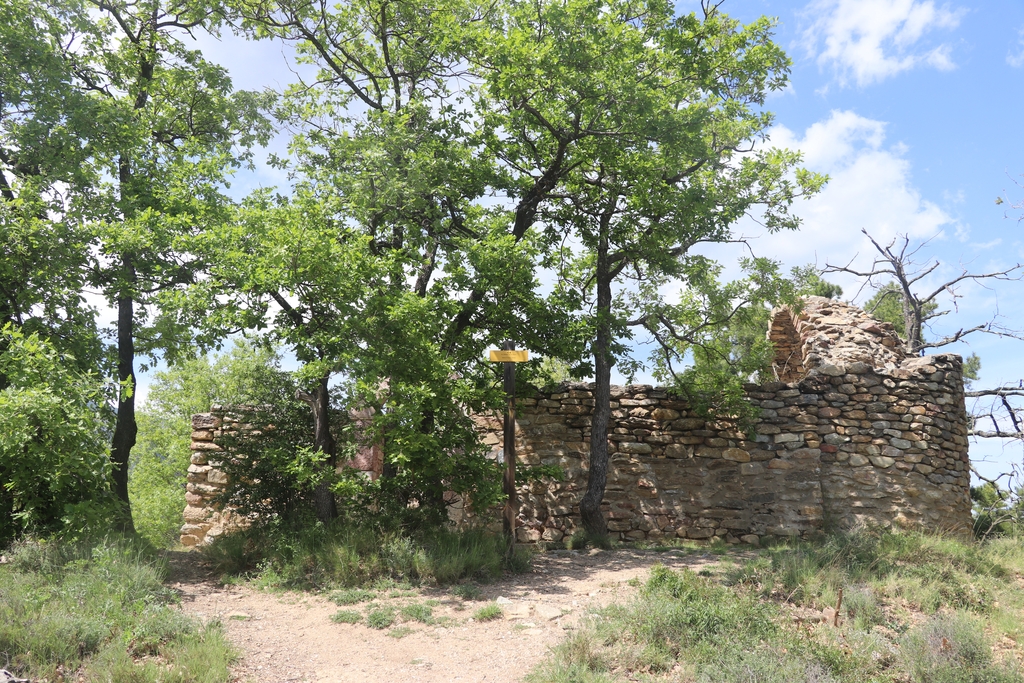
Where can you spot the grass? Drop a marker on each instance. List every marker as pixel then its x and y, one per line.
pixel 351 596
pixel 916 608
pixel 418 612
pixel 488 612
pixel 466 591
pixel 346 616
pixel 380 617
pixel 399 632
pixel 101 609
pixel 321 558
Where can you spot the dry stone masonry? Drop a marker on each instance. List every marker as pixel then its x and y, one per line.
pixel 853 433
pixel 204 518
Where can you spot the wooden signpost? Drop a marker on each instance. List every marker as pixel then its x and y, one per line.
pixel 509 356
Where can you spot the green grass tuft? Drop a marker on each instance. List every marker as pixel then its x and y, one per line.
pixel 420 612
pixel 351 596
pixel 488 612
pixel 466 591
pixel 346 616
pixel 380 618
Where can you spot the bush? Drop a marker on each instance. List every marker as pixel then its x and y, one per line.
pixel 54 425
pixel 952 648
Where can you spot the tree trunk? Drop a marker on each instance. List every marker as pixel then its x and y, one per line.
pixel 323 498
pixel 590 505
pixel 125 428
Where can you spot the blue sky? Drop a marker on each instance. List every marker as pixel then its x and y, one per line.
pixel 913 107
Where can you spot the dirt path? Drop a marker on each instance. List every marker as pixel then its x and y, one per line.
pixel 290 636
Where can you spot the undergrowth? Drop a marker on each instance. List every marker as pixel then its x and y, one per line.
pixel 916 608
pixel 342 556
pixel 100 610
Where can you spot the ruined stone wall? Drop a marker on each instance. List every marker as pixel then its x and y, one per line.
pixel 845 446
pixel 204 519
pixel 854 433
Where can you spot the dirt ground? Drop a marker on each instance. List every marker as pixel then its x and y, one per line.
pixel 288 636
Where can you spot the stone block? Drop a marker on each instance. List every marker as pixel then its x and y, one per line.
pixel 634 448
pixel 780 464
pixel 206 421
pixel 751 468
pixel 736 455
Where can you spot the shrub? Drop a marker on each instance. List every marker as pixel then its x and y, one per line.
pixel 54 463
pixel 380 618
pixel 488 612
pixel 952 648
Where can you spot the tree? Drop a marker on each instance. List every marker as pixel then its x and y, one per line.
pixel 391 184
pixel 163 139
pixel 654 118
pixel 898 276
pixel 46 137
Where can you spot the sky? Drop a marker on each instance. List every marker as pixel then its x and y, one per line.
pixel 912 107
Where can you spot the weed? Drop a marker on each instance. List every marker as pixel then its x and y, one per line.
pixel 346 616
pixel 421 613
pixel 400 632
pixel 340 555
pixel 351 596
pixel 952 648
pixel 488 612
pixel 466 591
pixel 99 607
pixel 380 618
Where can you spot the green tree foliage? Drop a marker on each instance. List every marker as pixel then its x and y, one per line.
pixel 117 141
pixel 886 304
pixel 392 184
pixel 808 282
pixel 645 115
pixel 160 459
pixel 46 131
pixel 54 464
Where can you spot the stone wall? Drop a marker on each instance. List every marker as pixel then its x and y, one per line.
pixel 843 447
pixel 204 519
pixel 853 433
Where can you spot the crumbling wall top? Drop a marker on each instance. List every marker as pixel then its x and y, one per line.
pixel 829 332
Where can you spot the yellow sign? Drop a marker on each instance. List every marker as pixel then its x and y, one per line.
pixel 510 356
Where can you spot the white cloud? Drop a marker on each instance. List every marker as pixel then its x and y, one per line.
pixel 870 40
pixel 1015 57
pixel 870 187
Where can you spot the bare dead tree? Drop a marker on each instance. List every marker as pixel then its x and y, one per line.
pixel 899 271
pixel 896 264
